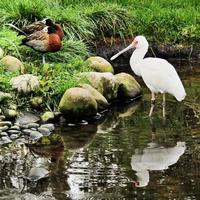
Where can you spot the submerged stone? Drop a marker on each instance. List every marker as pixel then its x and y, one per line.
pixel 78 102
pixel 37 173
pixel 128 86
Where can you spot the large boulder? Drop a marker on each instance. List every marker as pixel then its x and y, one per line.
pixel 78 102
pixel 12 64
pixel 128 86
pixel 100 99
pixel 99 64
pixel 1 53
pixel 25 83
pixel 105 83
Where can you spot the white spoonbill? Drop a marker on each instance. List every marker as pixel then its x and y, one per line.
pixel 158 74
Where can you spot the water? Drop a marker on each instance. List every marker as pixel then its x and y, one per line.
pixel 124 155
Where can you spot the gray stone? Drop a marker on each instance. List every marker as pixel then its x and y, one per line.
pixel 27 131
pixel 33 129
pixel 37 173
pixel 44 131
pixel 51 127
pixel 4 128
pixel 25 83
pixel 33 125
pixel 13 131
pixel 20 141
pixel 35 135
pixel 3 134
pixel 26 118
pixel 14 136
pixel 6 140
pixel 15 127
pixel 5 123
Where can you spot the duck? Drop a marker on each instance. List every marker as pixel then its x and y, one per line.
pixel 38 26
pixel 46 40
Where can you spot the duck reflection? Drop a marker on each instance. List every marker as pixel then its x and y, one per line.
pixel 154 157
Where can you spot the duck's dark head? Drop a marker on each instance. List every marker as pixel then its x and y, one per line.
pixel 49 29
pixel 48 22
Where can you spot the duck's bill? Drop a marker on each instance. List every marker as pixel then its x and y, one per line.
pixel 122 51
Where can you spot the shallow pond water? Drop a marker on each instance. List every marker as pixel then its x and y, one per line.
pixel 123 155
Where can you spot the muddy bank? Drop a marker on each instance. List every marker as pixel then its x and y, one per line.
pixel 107 48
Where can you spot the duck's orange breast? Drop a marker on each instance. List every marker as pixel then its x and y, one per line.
pixel 54 43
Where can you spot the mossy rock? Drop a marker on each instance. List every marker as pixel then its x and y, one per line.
pixel 47 116
pixel 12 64
pixel 78 103
pixel 105 83
pixel 128 86
pixel 99 64
pixel 100 99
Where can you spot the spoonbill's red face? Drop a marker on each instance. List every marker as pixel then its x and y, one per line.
pixel 134 43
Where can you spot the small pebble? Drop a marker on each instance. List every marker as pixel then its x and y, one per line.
pixel 15 127
pixel 33 125
pixel 6 140
pixel 33 129
pixel 27 131
pixel 3 134
pixel 2 117
pixel 51 127
pixel 20 141
pixel 14 136
pixel 35 135
pixel 5 123
pixel 14 131
pixel 44 131
pixel 4 128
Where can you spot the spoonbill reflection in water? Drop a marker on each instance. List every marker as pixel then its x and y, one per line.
pixel 158 74
pixel 154 157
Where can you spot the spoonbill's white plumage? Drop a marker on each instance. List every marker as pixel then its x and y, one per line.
pixel 158 74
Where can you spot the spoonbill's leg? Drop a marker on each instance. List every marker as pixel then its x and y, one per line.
pixel 163 104
pixel 43 59
pixel 153 98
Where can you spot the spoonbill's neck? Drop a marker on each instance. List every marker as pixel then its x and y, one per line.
pixel 136 58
